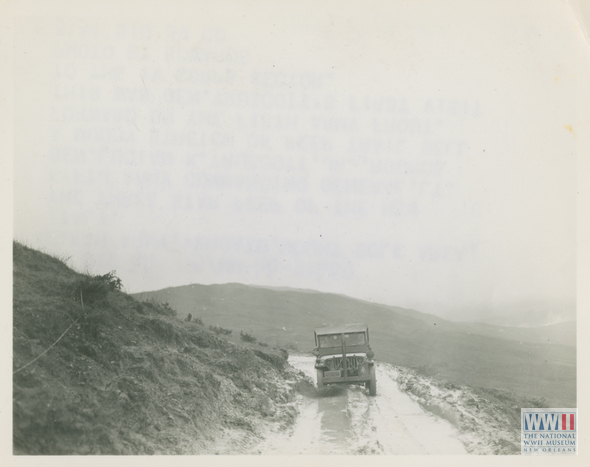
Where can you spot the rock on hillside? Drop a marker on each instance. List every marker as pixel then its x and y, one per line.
pixel 129 377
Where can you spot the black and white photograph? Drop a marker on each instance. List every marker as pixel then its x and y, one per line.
pixel 272 228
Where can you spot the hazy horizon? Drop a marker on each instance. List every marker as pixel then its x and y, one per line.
pixel 516 314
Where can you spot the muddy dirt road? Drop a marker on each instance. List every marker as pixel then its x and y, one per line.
pixel 352 422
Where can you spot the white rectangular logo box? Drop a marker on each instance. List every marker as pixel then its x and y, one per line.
pixel 549 431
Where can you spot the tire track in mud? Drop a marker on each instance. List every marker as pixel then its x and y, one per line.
pixel 349 421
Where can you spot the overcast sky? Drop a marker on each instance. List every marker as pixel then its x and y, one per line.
pixel 420 155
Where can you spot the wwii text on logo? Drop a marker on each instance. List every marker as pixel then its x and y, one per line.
pixel 547 421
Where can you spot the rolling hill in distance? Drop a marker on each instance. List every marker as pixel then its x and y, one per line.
pixel 539 362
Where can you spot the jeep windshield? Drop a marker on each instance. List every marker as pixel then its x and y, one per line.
pixel 335 340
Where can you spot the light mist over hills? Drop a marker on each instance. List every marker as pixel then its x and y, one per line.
pixel 527 314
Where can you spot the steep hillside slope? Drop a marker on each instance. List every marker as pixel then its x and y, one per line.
pixel 96 372
pixel 534 362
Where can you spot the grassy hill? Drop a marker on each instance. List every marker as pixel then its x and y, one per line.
pixel 537 362
pixel 96 372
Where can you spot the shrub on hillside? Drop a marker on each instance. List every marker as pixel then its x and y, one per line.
pixel 220 331
pixel 247 337
pixel 90 289
pixel 157 307
pixel 198 321
pixel 167 310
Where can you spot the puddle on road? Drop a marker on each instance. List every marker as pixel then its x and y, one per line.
pixel 323 427
pixel 335 421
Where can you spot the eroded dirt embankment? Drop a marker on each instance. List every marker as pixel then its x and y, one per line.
pixel 130 378
pixel 485 426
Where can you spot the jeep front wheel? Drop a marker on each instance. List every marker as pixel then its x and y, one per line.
pixel 373 382
pixel 320 378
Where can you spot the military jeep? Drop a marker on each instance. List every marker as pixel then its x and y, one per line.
pixel 344 356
